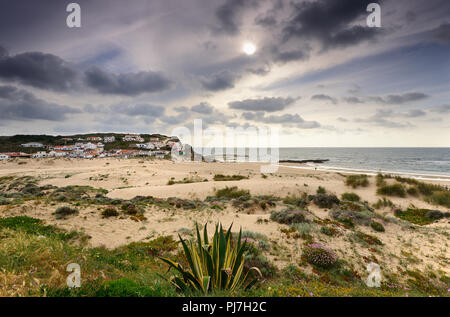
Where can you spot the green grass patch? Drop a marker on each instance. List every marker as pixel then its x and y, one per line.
pixel 227 178
pixel 357 181
pixel 397 190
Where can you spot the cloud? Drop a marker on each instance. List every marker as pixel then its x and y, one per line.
pixel 36 69
pixel 203 108
pixel 289 55
pixel 286 119
pixel 139 110
pixel 323 97
pixel 353 100
pixel 442 33
pixel 228 13
pixel 441 109
pixel 219 81
pixel 381 118
pixel 130 84
pixel 265 104
pixel 400 99
pixel 330 22
pixel 50 72
pixel 21 105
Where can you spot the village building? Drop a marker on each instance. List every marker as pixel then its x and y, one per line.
pixel 40 154
pixel 33 144
pixel 4 156
pixel 133 138
pixel 94 138
pixel 109 139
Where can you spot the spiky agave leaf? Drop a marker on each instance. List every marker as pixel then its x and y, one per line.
pixel 215 264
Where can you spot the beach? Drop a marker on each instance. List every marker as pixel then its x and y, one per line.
pixel 128 178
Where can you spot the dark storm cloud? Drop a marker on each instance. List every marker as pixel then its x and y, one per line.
pixel 442 33
pixel 400 99
pixel 219 81
pixel 130 84
pixel 293 120
pixel 139 110
pixel 18 104
pixel 265 104
pixel 323 97
pixel 45 71
pixel 228 13
pixel 203 108
pixel 285 56
pixel 50 72
pixel 330 22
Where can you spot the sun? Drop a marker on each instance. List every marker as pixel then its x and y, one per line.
pixel 249 48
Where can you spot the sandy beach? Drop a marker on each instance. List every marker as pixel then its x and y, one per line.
pixel 424 248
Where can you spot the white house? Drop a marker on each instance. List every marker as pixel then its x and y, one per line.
pixel 33 144
pixel 133 137
pixel 40 154
pixel 147 146
pixel 4 156
pixel 109 139
pixel 58 153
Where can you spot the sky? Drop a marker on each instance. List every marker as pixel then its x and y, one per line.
pixel 318 73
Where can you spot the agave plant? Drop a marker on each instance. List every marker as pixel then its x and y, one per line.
pixel 215 265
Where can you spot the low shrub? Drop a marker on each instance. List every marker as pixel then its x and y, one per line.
pixel 377 226
pixel 350 197
pixel 319 255
pixel 440 198
pixel 65 211
pixel 325 200
pixel 329 231
pixel 300 202
pixel 232 192
pixel 397 190
pixel 288 216
pixel 110 212
pixel 417 216
pixel 357 181
pixel 413 191
pixel 367 238
pixel 227 178
pixel 383 203
pixel 321 190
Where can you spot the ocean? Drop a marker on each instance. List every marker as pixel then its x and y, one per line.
pixel 418 162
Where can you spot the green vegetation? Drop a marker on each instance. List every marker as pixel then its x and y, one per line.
pixel 288 216
pixel 377 226
pixel 63 212
pixel 35 227
pixel 296 201
pixel 321 190
pixel 357 181
pixel 232 192
pixel 381 203
pixel 440 198
pixel 367 238
pixel 227 178
pixel 397 190
pixel 416 216
pixel 218 265
pixel 350 197
pixel 187 180
pixel 110 212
